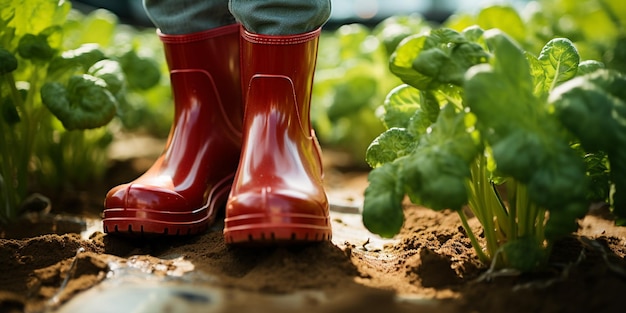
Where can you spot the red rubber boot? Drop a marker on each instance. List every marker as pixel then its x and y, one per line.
pixel 278 194
pixel 182 192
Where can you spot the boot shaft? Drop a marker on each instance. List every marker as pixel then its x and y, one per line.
pixel 291 57
pixel 214 54
pixel 278 192
pixel 192 50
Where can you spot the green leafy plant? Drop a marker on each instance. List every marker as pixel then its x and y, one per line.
pixel 593 108
pixel 62 81
pixel 481 124
pixel 596 27
pixel 352 79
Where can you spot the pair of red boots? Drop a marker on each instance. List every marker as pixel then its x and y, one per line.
pixel 241 136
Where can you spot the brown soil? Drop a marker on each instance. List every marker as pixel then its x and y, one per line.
pixel 429 267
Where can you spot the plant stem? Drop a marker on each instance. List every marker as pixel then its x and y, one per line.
pixel 468 230
pixel 12 174
pixel 512 194
pixel 33 124
pixel 8 193
pixel 489 209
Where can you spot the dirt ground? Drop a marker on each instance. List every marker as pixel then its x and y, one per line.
pixel 429 267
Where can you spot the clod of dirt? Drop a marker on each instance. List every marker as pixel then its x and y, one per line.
pixel 435 270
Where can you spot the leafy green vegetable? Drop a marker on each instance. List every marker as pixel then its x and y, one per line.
pixel 35 47
pixel 523 124
pixel 352 93
pixel 382 213
pixel 9 112
pixel 111 72
pixel 593 108
pixel 61 83
pixel 588 66
pixel 400 108
pixel 436 172
pixel 596 27
pixel 86 103
pixel 8 62
pixel 81 58
pixel 431 60
pixel 559 61
pixel 393 30
pixel 504 18
pixel 142 73
pixel 545 128
pixel 390 145
pixel 495 132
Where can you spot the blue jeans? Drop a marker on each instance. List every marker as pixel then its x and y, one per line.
pixel 267 17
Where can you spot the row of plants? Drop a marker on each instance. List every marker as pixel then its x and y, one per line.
pixel 525 137
pixel 72 82
pixel 352 77
pixel 68 83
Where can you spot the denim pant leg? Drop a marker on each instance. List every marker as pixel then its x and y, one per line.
pixel 175 17
pixel 281 17
pixel 268 17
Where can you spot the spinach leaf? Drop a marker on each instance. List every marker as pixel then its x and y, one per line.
pixel 382 212
pixel 593 108
pixel 560 60
pixel 431 60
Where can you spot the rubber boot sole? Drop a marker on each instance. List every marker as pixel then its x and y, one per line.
pixel 142 222
pixel 261 229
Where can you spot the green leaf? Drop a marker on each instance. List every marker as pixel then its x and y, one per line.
pixel 141 73
pixel 438 58
pixel 390 145
pixel 436 172
pixel 474 34
pixel 81 58
pixel 560 61
pixel 84 104
pixel 562 220
pixel 35 47
pixel 353 91
pixel 401 61
pixel 589 66
pixel 8 62
pixel 504 18
pixel 9 112
pixel 405 106
pixel 111 72
pixel 597 168
pixel 524 253
pixel 425 116
pixel 382 208
pixel 437 178
pixel 538 74
pixel 99 27
pixel 509 59
pixel 593 108
pixel 392 30
pixel 33 16
pixel 351 38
